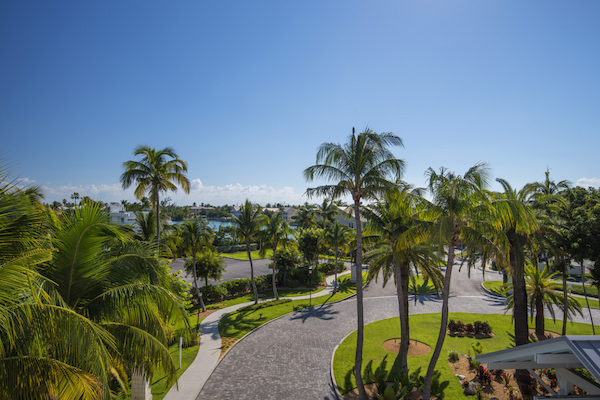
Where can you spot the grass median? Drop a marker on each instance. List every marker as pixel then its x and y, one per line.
pixel 425 328
pixel 497 288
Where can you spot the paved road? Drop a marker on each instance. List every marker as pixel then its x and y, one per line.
pixel 236 269
pixel 290 358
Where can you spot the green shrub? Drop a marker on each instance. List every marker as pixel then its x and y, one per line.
pixel 453 356
pixel 213 293
pixel 328 268
pixel 237 286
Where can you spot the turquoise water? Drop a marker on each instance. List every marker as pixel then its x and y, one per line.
pixel 213 224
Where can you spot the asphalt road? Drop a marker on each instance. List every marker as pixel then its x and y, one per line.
pixel 236 269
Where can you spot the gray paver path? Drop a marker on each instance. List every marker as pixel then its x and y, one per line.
pixel 193 379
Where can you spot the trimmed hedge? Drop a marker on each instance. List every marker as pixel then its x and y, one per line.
pixel 265 305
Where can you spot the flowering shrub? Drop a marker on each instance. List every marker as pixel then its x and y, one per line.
pixel 484 375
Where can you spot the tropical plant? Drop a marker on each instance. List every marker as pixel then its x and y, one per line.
pixel 196 238
pixel 275 231
pixel 145 225
pixel 361 168
pixel 104 306
pixel 459 206
pixel 541 294
pixel 247 227
pixel 305 216
pixel 154 173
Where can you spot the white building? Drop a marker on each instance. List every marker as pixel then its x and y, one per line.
pixel 118 215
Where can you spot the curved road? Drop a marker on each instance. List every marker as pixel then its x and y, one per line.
pixel 290 358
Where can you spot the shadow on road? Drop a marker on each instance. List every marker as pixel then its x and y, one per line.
pixel 323 312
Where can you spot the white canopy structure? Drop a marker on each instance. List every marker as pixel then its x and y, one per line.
pixel 563 354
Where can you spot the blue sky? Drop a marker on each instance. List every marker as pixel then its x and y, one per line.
pixel 245 92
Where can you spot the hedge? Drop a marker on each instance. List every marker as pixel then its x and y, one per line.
pixel 236 248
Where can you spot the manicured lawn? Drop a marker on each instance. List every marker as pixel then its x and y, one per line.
pixel 243 255
pixel 425 328
pixel 268 294
pixel 239 323
pixel 496 287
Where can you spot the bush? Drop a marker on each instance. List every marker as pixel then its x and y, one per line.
pixel 453 356
pixel 212 293
pixel 328 268
pixel 482 328
pixel 484 376
pixel 469 328
pixel 237 287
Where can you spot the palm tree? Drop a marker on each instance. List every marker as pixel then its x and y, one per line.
pixel 105 306
pixel 154 173
pixel 146 225
pixel 337 236
pixel 360 168
pixel 275 231
pixel 327 210
pixel 305 217
pixel 541 293
pixel 248 226
pixel 196 238
pixel 396 222
pixel 459 205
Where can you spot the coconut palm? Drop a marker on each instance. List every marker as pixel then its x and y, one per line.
pixel 338 237
pixel 105 306
pixel 361 168
pixel 540 292
pixel 305 216
pixel 247 227
pixel 459 207
pixel 146 225
pixel 396 222
pixel 275 231
pixel 154 173
pixel 195 238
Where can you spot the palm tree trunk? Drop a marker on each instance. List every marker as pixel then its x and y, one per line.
pixel 402 311
pixel 586 297
pixel 362 394
pixel 275 270
pixel 565 301
pixel 157 206
pixel 520 307
pixel 335 271
pixel 444 321
pixel 198 293
pixel 540 325
pixel 252 272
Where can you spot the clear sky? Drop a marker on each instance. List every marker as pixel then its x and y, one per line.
pixel 245 91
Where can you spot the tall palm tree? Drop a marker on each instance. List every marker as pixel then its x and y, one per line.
pixel 337 236
pixel 154 173
pixel 196 237
pixel 541 293
pixel 327 210
pixel 361 168
pixel 247 227
pixel 459 205
pixel 397 222
pixel 275 231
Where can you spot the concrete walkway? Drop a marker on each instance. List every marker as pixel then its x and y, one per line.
pixel 193 379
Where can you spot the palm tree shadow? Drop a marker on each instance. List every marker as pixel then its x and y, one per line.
pixel 323 312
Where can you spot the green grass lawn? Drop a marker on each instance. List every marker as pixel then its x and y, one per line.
pixel 158 386
pixel 496 287
pixel 425 328
pixel 243 255
pixel 239 323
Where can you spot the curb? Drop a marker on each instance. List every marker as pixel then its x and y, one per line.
pixel 331 373
pixel 487 291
